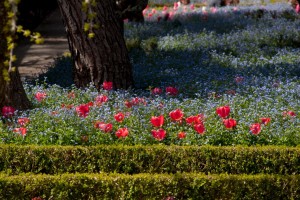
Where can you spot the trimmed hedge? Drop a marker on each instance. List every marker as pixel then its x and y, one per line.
pixel 149 159
pixel 149 186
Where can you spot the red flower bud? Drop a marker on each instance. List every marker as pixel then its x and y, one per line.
pixel 223 111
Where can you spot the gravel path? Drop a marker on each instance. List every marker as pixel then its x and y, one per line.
pixel 33 59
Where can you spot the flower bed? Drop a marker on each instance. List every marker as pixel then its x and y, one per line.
pixel 233 83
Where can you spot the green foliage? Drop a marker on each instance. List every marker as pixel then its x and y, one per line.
pixel 150 44
pixel 149 159
pixel 149 186
pixel 8 13
pixel 132 43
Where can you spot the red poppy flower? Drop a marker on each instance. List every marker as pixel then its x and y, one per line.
pixel 195 119
pixel 176 115
pixel 229 123
pixel 8 111
pixel 157 121
pixel 83 110
pixel 171 91
pixel 128 104
pixel 105 127
pixel 289 113
pixel 181 135
pixel 223 111
pixel 199 128
pixel 23 121
pixel 101 99
pixel 119 117
pixel 159 134
pixel 136 101
pixel 156 91
pixel 90 104
pixel 265 120
pixel 40 96
pixel 255 128
pixel 107 85
pixel 122 132
pixel 190 120
pixel 22 131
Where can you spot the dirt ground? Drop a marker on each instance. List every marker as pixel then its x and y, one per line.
pixel 33 59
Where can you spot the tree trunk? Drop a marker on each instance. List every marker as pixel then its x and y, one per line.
pixel 103 57
pixel 12 92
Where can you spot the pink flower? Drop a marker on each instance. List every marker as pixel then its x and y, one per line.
pixel 181 135
pixel 156 91
pixel 135 101
pixel 165 8
pixel 8 111
pixel 175 7
pixel 229 123
pixel 23 121
pixel 223 111
pixel 107 85
pixel 199 128
pixel 157 121
pixel 122 132
pixel 176 115
pixel 83 110
pixel 105 127
pixel 101 99
pixel 40 96
pixel 297 8
pixel 255 128
pixel 159 134
pixel 239 79
pixel 119 117
pixel 265 120
pixel 213 9
pixel 171 91
pixel 192 7
pixel 22 131
pixel 145 10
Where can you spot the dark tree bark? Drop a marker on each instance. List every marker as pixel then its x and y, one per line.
pixel 102 58
pixel 11 91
